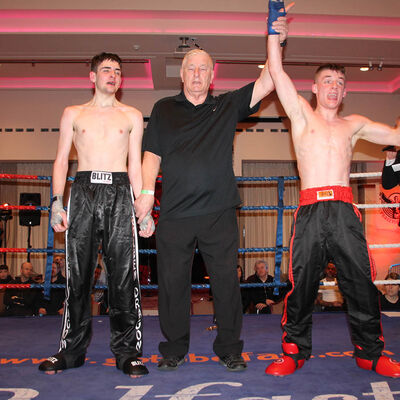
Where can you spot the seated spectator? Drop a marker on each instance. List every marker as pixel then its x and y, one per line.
pixel 22 302
pixel 391 167
pixel 1 233
pixel 240 274
pixel 5 277
pixel 100 296
pixel 390 300
pixel 54 305
pixel 329 297
pixel 60 261
pixel 259 299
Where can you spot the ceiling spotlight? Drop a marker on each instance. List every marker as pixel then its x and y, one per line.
pixel 380 66
pixel 187 43
pixel 261 66
pixel 364 69
pixel 371 67
pixel 183 47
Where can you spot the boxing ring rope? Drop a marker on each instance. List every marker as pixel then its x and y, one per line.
pixel 278 249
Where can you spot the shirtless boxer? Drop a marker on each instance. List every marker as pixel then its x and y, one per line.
pixel 326 224
pixel 106 134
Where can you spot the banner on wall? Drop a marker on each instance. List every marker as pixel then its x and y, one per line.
pixel 392 214
pixel 383 227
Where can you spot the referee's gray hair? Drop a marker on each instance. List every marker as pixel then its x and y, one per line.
pixel 194 52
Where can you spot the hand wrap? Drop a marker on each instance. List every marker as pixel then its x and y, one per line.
pixel 274 14
pixel 145 221
pixel 56 208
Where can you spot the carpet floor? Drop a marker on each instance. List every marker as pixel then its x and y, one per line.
pixel 331 373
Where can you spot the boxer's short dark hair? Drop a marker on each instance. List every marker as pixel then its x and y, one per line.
pixel 331 67
pixel 99 58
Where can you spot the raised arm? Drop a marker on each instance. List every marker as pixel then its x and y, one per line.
pixel 376 132
pixel 264 84
pixel 60 168
pixel 284 86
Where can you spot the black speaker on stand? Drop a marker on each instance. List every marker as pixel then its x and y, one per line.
pixel 29 218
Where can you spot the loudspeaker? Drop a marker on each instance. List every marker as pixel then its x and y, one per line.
pixel 29 217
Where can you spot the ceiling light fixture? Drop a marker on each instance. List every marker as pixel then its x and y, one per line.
pixel 187 44
pixel 364 69
pixel 183 47
pixel 380 66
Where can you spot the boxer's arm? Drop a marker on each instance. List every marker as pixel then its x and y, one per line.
pixel 135 152
pixel 150 167
pixel 284 86
pixel 375 132
pixel 60 169
pixel 264 84
pixel 147 226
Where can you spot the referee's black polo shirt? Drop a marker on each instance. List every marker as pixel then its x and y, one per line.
pixel 195 146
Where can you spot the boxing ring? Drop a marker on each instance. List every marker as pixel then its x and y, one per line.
pixel 330 374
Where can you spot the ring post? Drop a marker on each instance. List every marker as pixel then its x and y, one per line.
pixel 279 235
pixel 50 245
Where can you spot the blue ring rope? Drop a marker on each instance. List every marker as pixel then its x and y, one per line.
pixel 153 251
pixel 279 249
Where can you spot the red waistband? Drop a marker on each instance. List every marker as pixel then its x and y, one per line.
pixel 326 193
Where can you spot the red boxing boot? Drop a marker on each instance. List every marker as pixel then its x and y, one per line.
pixel 385 366
pixel 285 365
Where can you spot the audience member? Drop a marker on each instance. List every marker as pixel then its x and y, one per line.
pixel 329 297
pixel 100 296
pixel 240 273
pixel 22 302
pixel 1 233
pixel 260 298
pixel 60 260
pixel 391 166
pixel 5 277
pixel 390 300
pixel 54 305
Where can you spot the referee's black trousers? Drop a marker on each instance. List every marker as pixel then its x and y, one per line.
pixel 216 236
